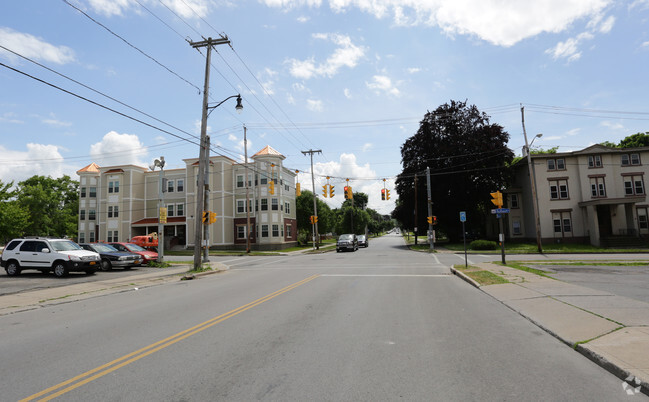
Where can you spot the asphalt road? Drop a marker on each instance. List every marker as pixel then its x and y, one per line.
pixel 379 324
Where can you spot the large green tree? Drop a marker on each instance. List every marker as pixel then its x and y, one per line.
pixel 635 140
pixel 52 205
pixel 304 209
pixel 13 218
pixel 467 156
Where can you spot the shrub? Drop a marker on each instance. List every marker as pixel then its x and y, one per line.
pixel 483 245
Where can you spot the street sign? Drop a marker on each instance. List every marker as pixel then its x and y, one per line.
pixel 462 216
pixel 500 211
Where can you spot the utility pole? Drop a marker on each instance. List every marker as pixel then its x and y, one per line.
pixel 206 203
pixel 203 155
pixel 245 152
pixel 416 209
pixel 532 172
pixel 315 204
pixel 430 209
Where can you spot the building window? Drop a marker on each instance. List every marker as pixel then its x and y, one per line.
pixel 241 232
pixel 287 207
pixel 110 236
pixel 562 223
pixel 82 215
pixel 630 159
pixel 83 192
pixel 513 201
pixel 597 187
pixel 275 230
pixel 82 237
pixel 594 161
pixel 170 210
pixel 559 189
pixel 92 215
pixel 180 209
pixel 241 206
pixel 288 231
pixel 180 185
pixel 170 186
pixel 92 193
pixel 239 180
pixel 264 179
pixel 264 204
pixel 113 186
pixel 264 230
pixel 274 204
pixel 643 222
pixel 256 205
pixel 633 185
pixel 110 212
pixel 557 164
pixel 91 238
pixel 516 227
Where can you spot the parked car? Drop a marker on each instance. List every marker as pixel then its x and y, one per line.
pixel 60 256
pixel 111 257
pixel 347 242
pixel 362 241
pixel 147 256
pixel 149 242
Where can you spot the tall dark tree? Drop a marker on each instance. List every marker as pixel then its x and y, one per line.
pixel 13 219
pixel 304 209
pixel 635 140
pixel 467 156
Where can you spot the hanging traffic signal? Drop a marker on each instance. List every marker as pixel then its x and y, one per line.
pixel 497 199
pixel 387 194
pixel 434 220
pixel 346 194
pixel 271 187
pixel 206 216
pixel 429 219
pixel 331 191
pixel 212 217
pixel 324 191
pixel 382 194
pixel 350 194
pixel 297 190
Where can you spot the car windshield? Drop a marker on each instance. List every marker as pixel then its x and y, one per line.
pixel 134 247
pixel 65 245
pixel 345 237
pixel 103 248
pixel 361 238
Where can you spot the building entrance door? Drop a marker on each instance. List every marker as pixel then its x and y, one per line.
pixel 604 220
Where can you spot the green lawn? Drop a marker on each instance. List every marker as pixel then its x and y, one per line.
pixel 525 248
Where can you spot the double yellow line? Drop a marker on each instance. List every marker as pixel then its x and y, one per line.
pixel 91 375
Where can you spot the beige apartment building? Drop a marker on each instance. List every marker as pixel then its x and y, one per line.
pixel 117 203
pixel 596 195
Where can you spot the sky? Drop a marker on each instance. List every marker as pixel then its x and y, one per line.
pixel 117 81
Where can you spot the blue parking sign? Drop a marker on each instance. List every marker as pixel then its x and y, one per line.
pixel 462 216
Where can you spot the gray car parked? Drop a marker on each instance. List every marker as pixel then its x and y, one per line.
pixel 347 242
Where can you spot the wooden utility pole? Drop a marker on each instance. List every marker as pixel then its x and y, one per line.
pixel 204 153
pixel 315 204
pixel 416 215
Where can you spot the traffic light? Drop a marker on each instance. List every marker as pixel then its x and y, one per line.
pixel 297 190
pixel 206 216
pixel 429 219
pixel 331 191
pixel 497 199
pixel 212 217
pixel 313 219
pixel 346 194
pixel 382 194
pixel 271 187
pixel 387 194
pixel 324 191
pixel 348 191
pixel 434 220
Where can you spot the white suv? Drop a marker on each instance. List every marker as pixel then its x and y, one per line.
pixel 60 256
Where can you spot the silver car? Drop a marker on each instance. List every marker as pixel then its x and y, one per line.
pixel 362 241
pixel 347 242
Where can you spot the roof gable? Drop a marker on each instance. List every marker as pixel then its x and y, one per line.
pixel 268 151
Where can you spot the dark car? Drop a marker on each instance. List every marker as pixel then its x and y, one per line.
pixel 147 256
pixel 347 242
pixel 362 241
pixel 113 258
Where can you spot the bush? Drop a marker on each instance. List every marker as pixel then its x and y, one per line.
pixel 483 245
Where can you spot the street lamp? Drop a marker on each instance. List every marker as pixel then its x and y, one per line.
pixel 161 239
pixel 202 182
pixel 535 201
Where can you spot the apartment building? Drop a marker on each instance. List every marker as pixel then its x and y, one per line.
pixel 119 202
pixel 596 195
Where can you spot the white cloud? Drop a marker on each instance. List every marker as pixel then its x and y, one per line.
pixel 612 125
pixel 346 55
pixel 10 117
pixel 348 93
pixel 573 132
pixel 188 9
pixel 413 70
pixel 383 83
pixel 269 76
pixel 38 159
pixel 32 47
pixel 303 19
pixel 367 146
pixel 569 49
pixel 347 166
pixel 119 149
pixel 53 121
pixel 109 7
pixel 314 105
pixel 645 44
pixel 500 22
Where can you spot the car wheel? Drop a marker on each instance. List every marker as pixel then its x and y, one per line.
pixel 105 265
pixel 12 268
pixel 60 270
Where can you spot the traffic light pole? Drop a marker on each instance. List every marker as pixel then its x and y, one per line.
pixel 430 210
pixel 316 246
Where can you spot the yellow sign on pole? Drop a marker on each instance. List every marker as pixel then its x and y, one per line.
pixel 163 215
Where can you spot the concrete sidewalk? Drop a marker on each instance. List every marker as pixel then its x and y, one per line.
pixel 611 330
pixel 34 299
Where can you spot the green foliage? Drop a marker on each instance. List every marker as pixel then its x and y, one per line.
pixel 13 218
pixel 483 245
pixel 608 144
pixel 304 209
pixel 541 151
pixel 635 140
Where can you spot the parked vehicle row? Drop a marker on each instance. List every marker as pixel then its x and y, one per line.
pixel 62 256
pixel 351 242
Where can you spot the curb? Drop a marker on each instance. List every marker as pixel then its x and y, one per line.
pixel 465 278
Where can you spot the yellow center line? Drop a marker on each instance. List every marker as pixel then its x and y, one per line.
pixel 154 347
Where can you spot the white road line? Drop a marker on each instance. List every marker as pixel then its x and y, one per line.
pixel 462 258
pixel 395 275
pixel 436 259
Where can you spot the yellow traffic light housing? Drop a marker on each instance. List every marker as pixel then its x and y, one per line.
pixel 387 194
pixel 212 217
pixel 206 216
pixel 325 191
pixel 331 191
pixel 348 191
pixel 429 219
pixel 497 199
pixel 297 190
pixel 271 187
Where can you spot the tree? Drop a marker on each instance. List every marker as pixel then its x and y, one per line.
pixel 635 140
pixel 304 210
pixel 467 156
pixel 52 205
pixel 13 218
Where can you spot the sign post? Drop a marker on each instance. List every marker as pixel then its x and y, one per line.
pixel 463 219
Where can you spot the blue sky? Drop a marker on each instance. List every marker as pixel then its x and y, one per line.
pixel 350 77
